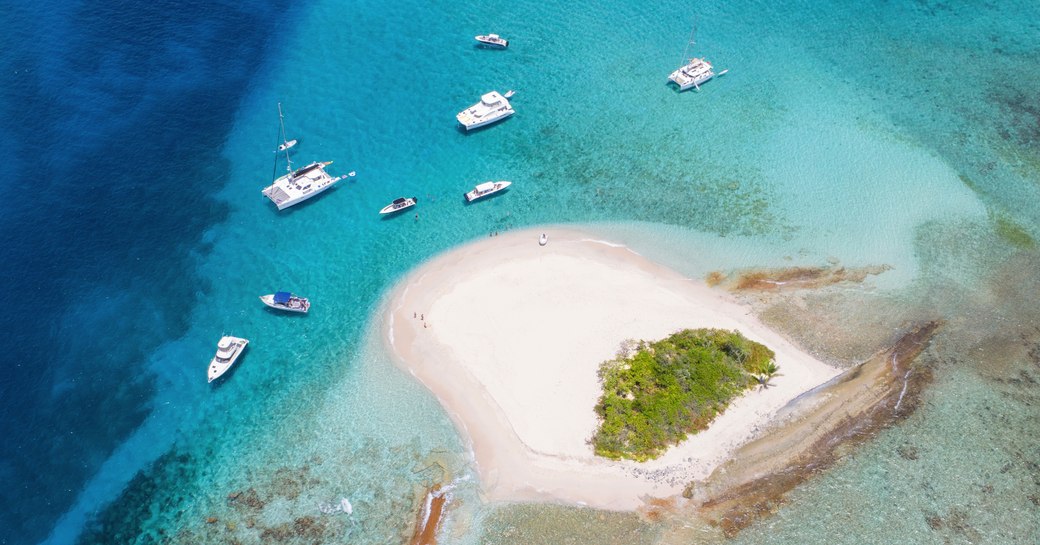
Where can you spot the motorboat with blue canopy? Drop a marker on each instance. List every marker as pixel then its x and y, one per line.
pixel 283 300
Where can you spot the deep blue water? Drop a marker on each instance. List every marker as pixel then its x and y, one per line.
pixel 115 113
pixel 133 232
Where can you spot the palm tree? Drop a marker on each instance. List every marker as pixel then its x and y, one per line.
pixel 768 371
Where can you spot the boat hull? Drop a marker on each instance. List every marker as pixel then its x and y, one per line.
pixel 484 122
pixel 269 301
pixel 390 208
pixel 492 40
pixel 217 367
pixel 692 84
pixel 475 195
pixel 292 202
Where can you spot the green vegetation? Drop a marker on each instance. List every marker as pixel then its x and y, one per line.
pixel 653 398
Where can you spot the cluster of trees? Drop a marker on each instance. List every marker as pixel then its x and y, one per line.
pixel 655 394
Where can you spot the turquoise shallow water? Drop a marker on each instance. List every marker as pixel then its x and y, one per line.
pixel 841 135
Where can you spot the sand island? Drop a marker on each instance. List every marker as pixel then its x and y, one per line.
pixel 509 335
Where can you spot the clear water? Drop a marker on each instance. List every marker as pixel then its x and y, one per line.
pixel 885 133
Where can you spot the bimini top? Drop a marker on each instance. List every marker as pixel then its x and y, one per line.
pixel 486 186
pixel 492 98
pixel 282 297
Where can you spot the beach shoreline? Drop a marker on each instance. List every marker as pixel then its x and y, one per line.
pixel 509 335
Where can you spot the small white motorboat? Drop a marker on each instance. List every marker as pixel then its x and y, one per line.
pixel 492 40
pixel 283 300
pixel 543 240
pixel 228 351
pixel 485 189
pixel 399 205
pixel 286 145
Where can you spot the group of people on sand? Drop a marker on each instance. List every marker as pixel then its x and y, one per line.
pixel 421 317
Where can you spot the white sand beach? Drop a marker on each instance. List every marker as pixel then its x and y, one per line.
pixel 509 336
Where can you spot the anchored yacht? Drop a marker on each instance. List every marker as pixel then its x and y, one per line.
pixel 300 185
pixel 228 351
pixel 399 205
pixel 283 300
pixel 485 189
pixel 493 40
pixel 492 107
pixel 693 74
pixel 696 71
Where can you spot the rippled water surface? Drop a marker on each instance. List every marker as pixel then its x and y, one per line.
pixel 895 134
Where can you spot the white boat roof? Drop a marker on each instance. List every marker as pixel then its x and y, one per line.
pixel 486 186
pixel 491 98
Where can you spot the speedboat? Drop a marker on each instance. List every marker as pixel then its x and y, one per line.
pixel 286 145
pixel 299 185
pixel 228 351
pixel 493 40
pixel 485 189
pixel 693 74
pixel 399 205
pixel 283 300
pixel 491 108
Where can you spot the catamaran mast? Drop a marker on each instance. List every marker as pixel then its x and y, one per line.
pixel 285 143
pixel 684 59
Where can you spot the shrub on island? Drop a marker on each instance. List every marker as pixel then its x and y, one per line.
pixel 655 394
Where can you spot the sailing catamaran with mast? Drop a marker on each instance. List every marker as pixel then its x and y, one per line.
pixel 695 72
pixel 299 185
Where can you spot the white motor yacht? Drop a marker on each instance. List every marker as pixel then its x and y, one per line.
pixel 228 351
pixel 493 40
pixel 283 300
pixel 492 107
pixel 399 205
pixel 485 189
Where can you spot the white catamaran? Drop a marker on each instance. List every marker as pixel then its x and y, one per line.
pixel 299 185
pixel 695 72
